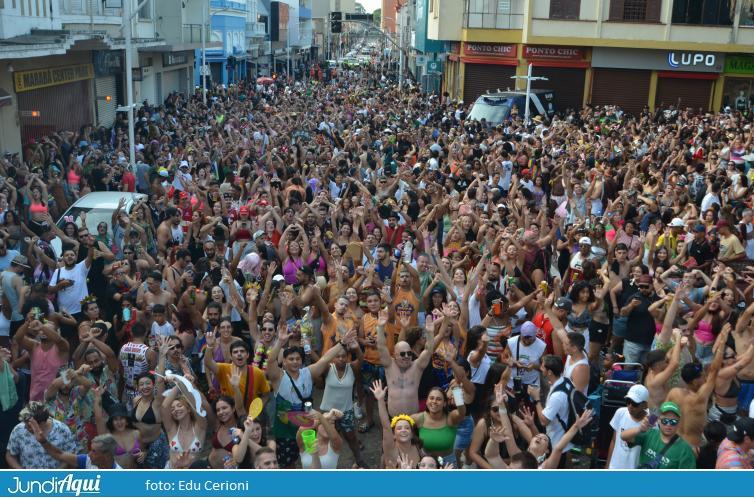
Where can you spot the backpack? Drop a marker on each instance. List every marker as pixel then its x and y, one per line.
pixel 577 404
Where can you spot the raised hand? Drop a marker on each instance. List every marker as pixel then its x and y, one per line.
pixel 383 317
pixel 378 390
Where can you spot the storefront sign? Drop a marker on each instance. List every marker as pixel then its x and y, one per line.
pixel 540 52
pixel 660 60
pixel 49 77
pixel 489 49
pixel 174 58
pixel 688 60
pixel 107 62
pixel 739 63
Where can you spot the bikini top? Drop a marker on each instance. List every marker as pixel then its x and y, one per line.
pixel 175 443
pixel 147 418
pixel 119 450
pixel 217 445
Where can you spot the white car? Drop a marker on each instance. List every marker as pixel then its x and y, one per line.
pixel 99 207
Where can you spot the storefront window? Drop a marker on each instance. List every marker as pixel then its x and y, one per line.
pixel 738 93
pixel 747 12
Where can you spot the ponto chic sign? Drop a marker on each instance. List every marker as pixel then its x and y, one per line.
pixel 678 59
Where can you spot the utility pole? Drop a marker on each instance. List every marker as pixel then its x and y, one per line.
pixel 204 54
pixel 129 84
pixel 528 79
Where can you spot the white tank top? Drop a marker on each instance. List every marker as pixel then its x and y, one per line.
pixel 303 384
pixel 133 357
pixel 570 367
pixel 338 391
pixel 328 461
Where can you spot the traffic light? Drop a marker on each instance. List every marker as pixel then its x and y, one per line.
pixel 335 22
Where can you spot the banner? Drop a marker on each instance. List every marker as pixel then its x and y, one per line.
pixel 49 77
pixel 355 483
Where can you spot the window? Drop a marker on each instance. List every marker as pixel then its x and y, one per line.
pixel 712 12
pixel 564 9
pixel 635 10
pixel 747 13
pixel 146 10
pixel 493 14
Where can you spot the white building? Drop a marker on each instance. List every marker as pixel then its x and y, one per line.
pixel 62 61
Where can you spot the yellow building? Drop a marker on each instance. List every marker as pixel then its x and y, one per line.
pixel 632 53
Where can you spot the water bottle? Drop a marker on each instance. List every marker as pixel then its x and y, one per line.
pixel 408 252
pixel 306 332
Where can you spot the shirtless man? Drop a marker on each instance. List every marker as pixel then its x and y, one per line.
pixel 401 372
pixel 661 364
pixel 694 397
pixel 154 294
pixel 743 338
pixel 169 230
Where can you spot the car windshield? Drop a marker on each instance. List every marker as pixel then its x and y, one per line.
pixel 94 216
pixel 492 113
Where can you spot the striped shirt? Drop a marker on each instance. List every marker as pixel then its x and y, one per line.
pixel 731 456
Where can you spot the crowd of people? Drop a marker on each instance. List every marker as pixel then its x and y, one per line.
pixel 290 265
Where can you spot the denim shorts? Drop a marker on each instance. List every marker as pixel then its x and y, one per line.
pixel 463 433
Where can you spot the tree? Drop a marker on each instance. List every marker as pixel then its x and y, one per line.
pixel 377 16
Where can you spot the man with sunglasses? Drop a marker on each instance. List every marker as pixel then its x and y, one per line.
pixel 641 333
pixel 661 447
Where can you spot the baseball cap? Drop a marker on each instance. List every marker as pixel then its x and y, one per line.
pixel 163 172
pixel 699 228
pixel 669 406
pixel 258 234
pixel 584 240
pixel 564 303
pixel 722 223
pixel 742 427
pixel 638 394
pixel 184 163
pixel 244 210
pixel 677 222
pixel 528 329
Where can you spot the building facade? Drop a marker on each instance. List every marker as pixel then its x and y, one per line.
pixel 62 64
pixel 636 54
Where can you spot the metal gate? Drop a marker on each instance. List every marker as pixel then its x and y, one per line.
pixel 627 88
pixel 105 86
pixel 62 107
pixel 684 93
pixel 480 78
pixel 566 83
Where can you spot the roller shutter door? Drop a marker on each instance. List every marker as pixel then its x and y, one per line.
pixel 106 110
pixel 684 93
pixel 627 88
pixel 567 83
pixel 479 78
pixel 170 82
pixel 148 90
pixel 62 107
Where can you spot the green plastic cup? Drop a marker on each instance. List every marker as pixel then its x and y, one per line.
pixel 309 437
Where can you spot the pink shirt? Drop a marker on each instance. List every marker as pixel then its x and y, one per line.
pixel 44 369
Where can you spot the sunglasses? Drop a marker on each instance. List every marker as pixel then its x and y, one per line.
pixel 669 421
pixel 644 287
pixel 405 354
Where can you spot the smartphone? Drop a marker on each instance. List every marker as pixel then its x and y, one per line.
pixel 653 420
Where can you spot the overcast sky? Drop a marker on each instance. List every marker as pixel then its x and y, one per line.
pixel 370 5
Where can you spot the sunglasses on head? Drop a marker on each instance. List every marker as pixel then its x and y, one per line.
pixel 669 421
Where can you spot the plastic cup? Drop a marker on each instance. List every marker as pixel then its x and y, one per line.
pixel 457 396
pixel 309 437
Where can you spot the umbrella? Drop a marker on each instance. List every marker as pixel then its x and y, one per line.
pixel 265 80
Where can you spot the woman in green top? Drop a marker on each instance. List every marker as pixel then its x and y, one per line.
pixel 437 425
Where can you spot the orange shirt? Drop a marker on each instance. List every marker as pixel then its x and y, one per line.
pixel 369 329
pixel 405 302
pixel 334 331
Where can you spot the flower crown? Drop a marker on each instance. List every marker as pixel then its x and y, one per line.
pixel 400 417
pixel 89 299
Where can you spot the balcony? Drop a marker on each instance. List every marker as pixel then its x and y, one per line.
pixel 192 33
pixel 256 30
